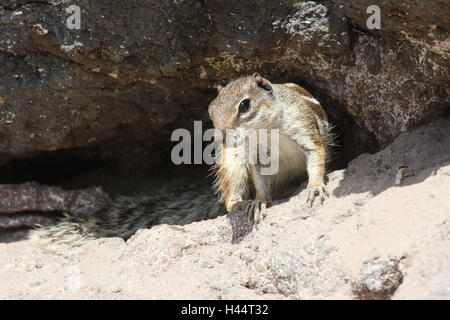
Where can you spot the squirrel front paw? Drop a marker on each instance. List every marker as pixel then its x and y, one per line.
pixel 314 191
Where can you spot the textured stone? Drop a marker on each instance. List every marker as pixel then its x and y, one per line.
pixel 137 70
pixel 378 279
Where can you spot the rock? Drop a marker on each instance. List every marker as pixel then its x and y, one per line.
pixel 119 85
pixel 31 204
pixel 286 257
pixel 285 269
pixel 278 272
pixel 378 279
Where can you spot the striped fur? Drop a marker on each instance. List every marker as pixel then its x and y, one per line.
pixel 125 215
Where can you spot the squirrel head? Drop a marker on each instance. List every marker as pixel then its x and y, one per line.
pixel 243 103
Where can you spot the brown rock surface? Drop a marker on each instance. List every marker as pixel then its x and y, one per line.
pixel 136 69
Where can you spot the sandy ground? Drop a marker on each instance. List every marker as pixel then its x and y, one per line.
pixel 372 238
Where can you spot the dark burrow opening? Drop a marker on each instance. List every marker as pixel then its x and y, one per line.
pixel 124 169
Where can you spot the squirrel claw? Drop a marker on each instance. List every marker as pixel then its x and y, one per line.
pixel 256 210
pixel 313 192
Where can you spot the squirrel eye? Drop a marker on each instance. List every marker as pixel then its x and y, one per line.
pixel 244 106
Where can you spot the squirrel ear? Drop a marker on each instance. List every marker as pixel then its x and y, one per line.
pixel 262 83
pixel 219 88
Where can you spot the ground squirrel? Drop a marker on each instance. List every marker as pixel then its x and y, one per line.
pixel 250 102
pixel 305 140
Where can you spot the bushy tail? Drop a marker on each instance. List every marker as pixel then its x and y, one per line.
pixel 70 231
pixel 126 215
